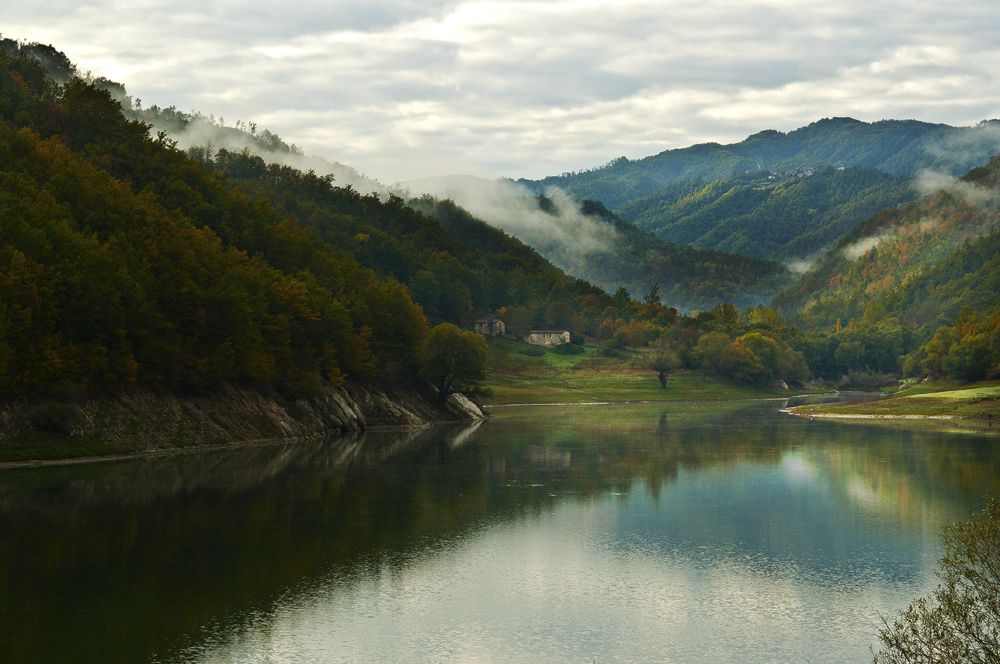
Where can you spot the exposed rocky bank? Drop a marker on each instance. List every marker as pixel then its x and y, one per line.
pixel 142 420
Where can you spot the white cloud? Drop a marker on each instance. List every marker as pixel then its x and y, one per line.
pixel 402 89
pixel 858 249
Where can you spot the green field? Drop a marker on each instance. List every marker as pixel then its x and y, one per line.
pixel 516 378
pixel 936 399
pixel 968 394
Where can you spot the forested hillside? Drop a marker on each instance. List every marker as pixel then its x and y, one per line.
pixel 124 261
pixel 897 147
pixel 588 241
pixel 454 265
pixel 922 263
pixel 786 218
pixel 689 278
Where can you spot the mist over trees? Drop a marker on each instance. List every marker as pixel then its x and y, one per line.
pixel 586 240
pixel 918 249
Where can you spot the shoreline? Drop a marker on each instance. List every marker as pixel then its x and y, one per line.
pixel 260 442
pixel 873 416
pixel 645 401
pixel 197 449
pixel 140 423
pixel 977 404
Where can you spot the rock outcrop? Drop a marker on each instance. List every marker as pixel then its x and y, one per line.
pixel 141 420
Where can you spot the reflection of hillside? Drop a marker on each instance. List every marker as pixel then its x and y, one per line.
pixel 915 476
pixel 229 471
pixel 158 547
pixel 740 483
pixel 162 547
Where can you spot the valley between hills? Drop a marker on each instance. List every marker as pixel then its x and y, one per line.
pixel 158 253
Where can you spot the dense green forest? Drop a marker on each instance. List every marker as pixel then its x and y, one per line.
pixel 905 258
pixel 125 261
pixel 767 216
pixel 897 147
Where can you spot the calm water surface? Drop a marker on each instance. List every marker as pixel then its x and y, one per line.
pixel 697 532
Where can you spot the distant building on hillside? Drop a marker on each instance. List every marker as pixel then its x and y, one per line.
pixel 548 337
pixel 490 326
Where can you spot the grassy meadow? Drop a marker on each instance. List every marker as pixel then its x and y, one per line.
pixel 518 378
pixel 942 398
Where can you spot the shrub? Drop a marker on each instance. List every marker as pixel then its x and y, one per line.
pixel 533 351
pixel 569 349
pixel 617 340
pixel 960 621
pixel 56 417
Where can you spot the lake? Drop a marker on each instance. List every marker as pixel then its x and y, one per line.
pixel 683 532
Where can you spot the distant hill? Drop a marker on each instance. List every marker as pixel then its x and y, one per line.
pixel 897 147
pixel 588 241
pixel 922 263
pixel 786 218
pixel 690 278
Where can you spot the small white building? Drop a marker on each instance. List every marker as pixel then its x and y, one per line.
pixel 548 337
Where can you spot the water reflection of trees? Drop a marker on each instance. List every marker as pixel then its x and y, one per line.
pixel 913 475
pixel 158 548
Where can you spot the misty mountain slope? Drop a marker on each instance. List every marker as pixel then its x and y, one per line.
pixel 764 216
pixel 586 240
pixel 202 136
pixel 898 147
pixel 463 226
pixel 689 278
pixel 123 261
pixel 968 277
pixel 454 265
pixel 896 247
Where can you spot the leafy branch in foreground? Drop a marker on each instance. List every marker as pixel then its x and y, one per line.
pixel 960 621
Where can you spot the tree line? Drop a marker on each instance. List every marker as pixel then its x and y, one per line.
pixel 125 261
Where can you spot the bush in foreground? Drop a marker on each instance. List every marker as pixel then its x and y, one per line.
pixel 960 621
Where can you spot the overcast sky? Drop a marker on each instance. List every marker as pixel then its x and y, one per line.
pixel 402 89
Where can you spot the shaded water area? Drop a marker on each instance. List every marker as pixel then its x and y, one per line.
pixel 691 532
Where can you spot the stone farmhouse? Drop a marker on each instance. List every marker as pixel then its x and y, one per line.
pixel 548 337
pixel 490 327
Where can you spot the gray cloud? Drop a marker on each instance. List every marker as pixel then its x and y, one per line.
pixel 403 89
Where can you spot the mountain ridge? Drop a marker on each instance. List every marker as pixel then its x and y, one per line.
pixel 898 147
